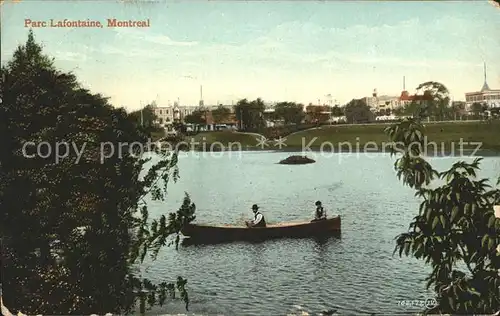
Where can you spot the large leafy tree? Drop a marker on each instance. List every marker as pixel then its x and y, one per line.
pixel 197 118
pixel 250 114
pixel 73 227
pixel 435 97
pixel 357 111
pixel 221 114
pixel 148 118
pixel 318 114
pixel 289 112
pixel 337 111
pixel 455 230
pixel 477 109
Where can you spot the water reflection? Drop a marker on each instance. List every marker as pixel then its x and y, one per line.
pixel 354 273
pixel 318 240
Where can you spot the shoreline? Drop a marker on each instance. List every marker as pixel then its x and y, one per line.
pixel 465 152
pixel 461 138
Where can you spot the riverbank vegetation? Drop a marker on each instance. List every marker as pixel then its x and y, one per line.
pixel 74 229
pixel 455 229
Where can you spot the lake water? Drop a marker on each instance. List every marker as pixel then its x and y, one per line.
pixel 355 274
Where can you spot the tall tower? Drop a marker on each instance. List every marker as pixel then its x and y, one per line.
pixel 485 85
pixel 201 95
pixel 404 83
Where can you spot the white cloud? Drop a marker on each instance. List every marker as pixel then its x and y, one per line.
pixel 130 52
pixel 382 45
pixel 70 56
pixel 137 35
pixel 303 62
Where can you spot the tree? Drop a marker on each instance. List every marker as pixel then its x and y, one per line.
pixel 318 114
pixel 412 108
pixel 149 117
pixel 74 226
pixel 197 118
pixel 495 112
pixel 456 230
pixel 458 109
pixel 477 109
pixel 221 114
pixel 435 97
pixel 250 114
pixel 337 111
pixel 356 111
pixel 289 112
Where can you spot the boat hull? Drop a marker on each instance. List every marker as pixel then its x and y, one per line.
pixel 206 233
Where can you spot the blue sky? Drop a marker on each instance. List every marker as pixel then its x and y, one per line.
pixel 290 50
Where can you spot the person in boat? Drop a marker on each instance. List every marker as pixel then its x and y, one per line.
pixel 258 220
pixel 320 213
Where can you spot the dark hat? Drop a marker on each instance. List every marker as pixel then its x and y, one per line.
pixel 255 207
pixel 318 202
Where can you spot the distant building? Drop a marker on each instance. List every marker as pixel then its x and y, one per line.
pixel 490 97
pixel 377 103
pixel 211 125
pixel 167 115
pixel 405 98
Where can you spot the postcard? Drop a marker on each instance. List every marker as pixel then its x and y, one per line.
pixel 250 157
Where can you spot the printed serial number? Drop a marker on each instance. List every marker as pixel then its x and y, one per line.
pixel 429 303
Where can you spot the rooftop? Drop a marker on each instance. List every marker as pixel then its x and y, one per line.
pixel 405 96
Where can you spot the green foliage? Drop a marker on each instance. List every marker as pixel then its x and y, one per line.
pixel 337 111
pixel 434 98
pixel 149 117
pixel 290 112
pixel 455 230
pixel 250 114
pixel 432 101
pixel 477 108
pixel 72 229
pixel 356 111
pixel 317 114
pixel 197 117
pixel 221 114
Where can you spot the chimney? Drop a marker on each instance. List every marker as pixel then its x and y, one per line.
pixel 201 96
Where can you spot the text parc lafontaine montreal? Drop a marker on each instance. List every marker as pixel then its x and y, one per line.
pixel 86 23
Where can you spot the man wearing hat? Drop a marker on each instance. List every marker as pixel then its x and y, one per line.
pixel 320 213
pixel 259 220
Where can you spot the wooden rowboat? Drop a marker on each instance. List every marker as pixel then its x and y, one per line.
pixel 206 233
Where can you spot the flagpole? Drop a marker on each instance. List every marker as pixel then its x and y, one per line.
pixel 142 117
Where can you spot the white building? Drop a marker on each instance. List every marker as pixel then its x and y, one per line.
pixel 490 97
pixel 376 102
pixel 167 115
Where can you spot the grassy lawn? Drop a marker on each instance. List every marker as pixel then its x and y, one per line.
pixel 225 138
pixel 486 132
pixel 444 134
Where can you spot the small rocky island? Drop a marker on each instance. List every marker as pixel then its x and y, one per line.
pixel 296 160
